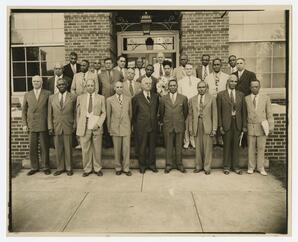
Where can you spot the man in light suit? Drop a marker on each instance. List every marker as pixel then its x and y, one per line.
pixel 121 62
pixel 231 121
pixel 179 72
pixel 158 67
pixel 79 81
pixel 244 77
pixel 34 116
pixel 258 110
pixel 119 114
pixel 62 124
pixel 173 110
pixel 232 63
pixel 51 84
pixel 91 113
pixel 204 69
pixel 145 107
pixel 203 126
pixel 187 86
pixel 72 67
pixel 130 86
pixel 149 71
pixel 139 70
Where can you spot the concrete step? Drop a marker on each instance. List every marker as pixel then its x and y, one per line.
pixel 188 158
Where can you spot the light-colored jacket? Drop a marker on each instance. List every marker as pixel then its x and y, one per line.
pixel 119 116
pixel 261 113
pixel 78 85
pixel 98 109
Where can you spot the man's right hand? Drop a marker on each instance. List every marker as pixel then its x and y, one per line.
pixel 51 132
pixel 25 128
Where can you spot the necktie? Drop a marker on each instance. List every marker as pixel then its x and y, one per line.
pixel 160 70
pixel 205 73
pixel 173 98
pixel 139 72
pixel 216 82
pixel 232 100
pixel 201 106
pixel 84 80
pixel 119 99
pixel 90 104
pixel 61 101
pixel 131 89
pixel 36 94
pixel 148 98
pixel 255 102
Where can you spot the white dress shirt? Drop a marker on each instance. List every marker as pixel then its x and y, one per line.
pixel 203 70
pixel 240 74
pixel 74 68
pixel 187 86
pixel 213 87
pixel 234 97
pixel 37 93
pixel 147 94
pixel 63 96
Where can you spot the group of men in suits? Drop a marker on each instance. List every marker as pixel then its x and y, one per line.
pixel 198 104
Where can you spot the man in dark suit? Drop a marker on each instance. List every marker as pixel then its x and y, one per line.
pixel 62 124
pixel 144 109
pixel 34 116
pixel 51 84
pixel 72 67
pixel 204 69
pixel 149 71
pixel 244 77
pixel 173 110
pixel 231 121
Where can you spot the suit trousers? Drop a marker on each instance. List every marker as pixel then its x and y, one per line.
pixel 204 145
pixel 91 151
pixel 107 143
pixel 231 147
pixel 147 143
pixel 121 152
pixel 44 150
pixel 188 139
pixel 63 150
pixel 173 143
pixel 256 152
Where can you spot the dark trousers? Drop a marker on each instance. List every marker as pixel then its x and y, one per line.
pixel 173 144
pixel 63 149
pixel 231 147
pixel 107 139
pixel 146 142
pixel 44 150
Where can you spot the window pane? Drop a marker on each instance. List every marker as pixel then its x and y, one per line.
pixel 53 54
pixel 263 65
pixel 58 20
pixel 47 69
pixel 19 84
pixel 250 50
pixel 19 69
pixel 264 49
pixel 18 54
pixel 279 49
pixel 279 65
pixel 250 64
pixel 44 20
pixel 32 53
pixel 29 82
pixel 278 80
pixel 33 68
pixel 264 79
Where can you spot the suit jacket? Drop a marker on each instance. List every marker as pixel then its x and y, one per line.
pixel 209 114
pixel 136 88
pixel 67 71
pixel 224 107
pixel 62 120
pixel 106 82
pixel 50 85
pixel 256 116
pixel 179 73
pixel 243 84
pixel 98 109
pixel 221 86
pixel 156 73
pixel 144 114
pixel 173 116
pixel 123 72
pixel 154 82
pixel 35 112
pixel 78 85
pixel 119 116
pixel 199 71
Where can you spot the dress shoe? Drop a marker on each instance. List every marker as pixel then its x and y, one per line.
pixel 128 173
pixel 118 173
pixel 153 169
pixel 181 169
pixel 250 171
pixel 238 172
pixel 47 172
pixel 167 170
pixel 142 171
pixel 185 146
pixel 86 174
pixel 31 172
pixel 226 172
pixel 263 173
pixel 69 173
pixel 99 173
pixel 207 172
pixel 57 173
pixel 196 170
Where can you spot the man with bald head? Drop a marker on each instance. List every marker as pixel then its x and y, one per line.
pixel 51 83
pixel 144 108
pixel 34 116
pixel 158 67
pixel 231 121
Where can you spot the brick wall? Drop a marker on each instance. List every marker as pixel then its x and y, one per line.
pixel 90 35
pixel 205 32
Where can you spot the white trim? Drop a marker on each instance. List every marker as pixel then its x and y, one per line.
pixel 246 41
pixel 37 45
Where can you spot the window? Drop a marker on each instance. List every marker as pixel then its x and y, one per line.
pixel 37 42
pixel 259 37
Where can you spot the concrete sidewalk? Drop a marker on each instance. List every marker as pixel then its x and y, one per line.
pixel 153 202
